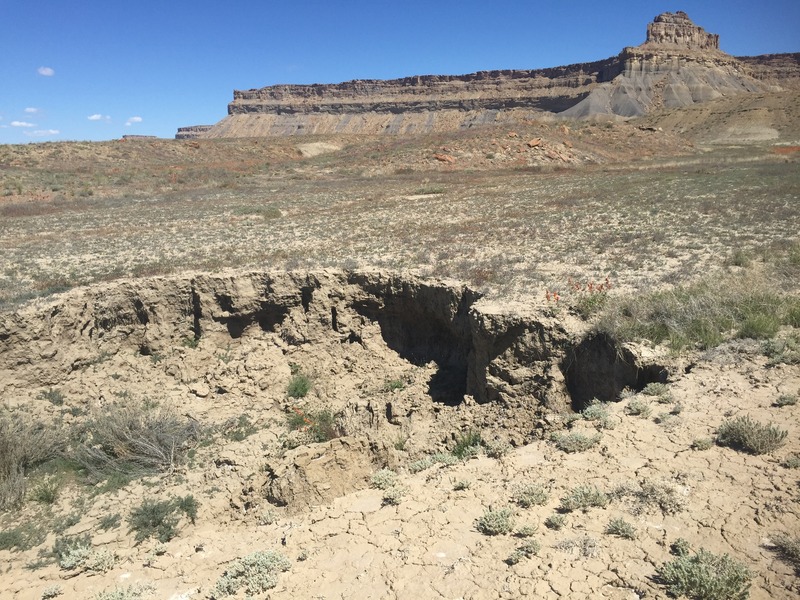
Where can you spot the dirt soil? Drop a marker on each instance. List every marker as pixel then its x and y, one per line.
pixel 427 288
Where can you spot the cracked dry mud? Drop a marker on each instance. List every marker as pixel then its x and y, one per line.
pixel 465 363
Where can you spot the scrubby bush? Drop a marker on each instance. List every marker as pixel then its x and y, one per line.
pixel 574 441
pixel 638 408
pixel 383 479
pixel 495 522
pixel 788 547
pixel 299 386
pixel 393 496
pixel 468 444
pixel 621 528
pixel 529 494
pixel 705 576
pixel 24 444
pixel 254 574
pixel 527 550
pixel 137 591
pixel 744 433
pixel 159 519
pixel 583 497
pixel 555 522
pixel 134 439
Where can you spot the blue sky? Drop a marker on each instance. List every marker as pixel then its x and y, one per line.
pixel 93 70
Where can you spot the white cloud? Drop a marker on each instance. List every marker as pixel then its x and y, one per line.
pixel 22 124
pixel 43 132
pixel 45 71
pixel 132 120
pixel 31 111
pixel 99 117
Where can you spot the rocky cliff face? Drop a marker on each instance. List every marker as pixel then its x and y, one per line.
pixel 679 64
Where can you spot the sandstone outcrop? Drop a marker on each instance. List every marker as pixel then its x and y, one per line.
pixel 679 64
pixel 192 132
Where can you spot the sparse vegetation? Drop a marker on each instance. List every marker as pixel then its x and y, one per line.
pixel 136 591
pixel 135 438
pixel 529 494
pixel 24 444
pixel 555 522
pixel 744 433
pixel 788 548
pixel 705 576
pixel 621 528
pixel 702 444
pixel 527 550
pixel 583 498
pixel 786 400
pixel 159 519
pixel 495 521
pixel 574 441
pixel 383 479
pixel 299 386
pixel 392 496
pixel 468 444
pixel 638 408
pixel 253 574
pixel 659 391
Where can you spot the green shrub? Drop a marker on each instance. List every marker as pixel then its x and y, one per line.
pixel 109 522
pixel 137 591
pixel 383 479
pixel 467 444
pixel 527 550
pixel 792 461
pixel 701 314
pixel 463 484
pixel 621 528
pixel 320 425
pixel 744 433
pixel 702 444
pixel 53 396
pixel 638 408
pixel 394 385
pixel 705 576
pixel 47 491
pixel 529 494
pixel 254 574
pixel 159 519
pixel 393 496
pixel 786 400
pixel 555 522
pixel 495 522
pixel 583 498
pixel 574 441
pixel 299 386
pixel 22 537
pixel 135 439
pixel 238 428
pixel 596 411
pixel 659 391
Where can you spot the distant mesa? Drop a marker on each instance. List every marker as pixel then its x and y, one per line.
pixel 192 132
pixel 678 65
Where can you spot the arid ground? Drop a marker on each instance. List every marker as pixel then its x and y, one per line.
pixel 374 360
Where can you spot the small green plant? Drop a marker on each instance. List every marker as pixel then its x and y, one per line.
pixel 760 326
pixel 253 574
pixel 587 546
pixel 744 433
pixel 705 576
pixel 658 391
pixel 394 385
pixel 526 531
pixel 468 445
pixel 702 444
pixel 496 448
pixel 159 519
pixel 680 547
pixel 53 396
pixel 596 411
pixel 109 522
pixel 52 591
pixel 574 441
pixel 383 479
pixel 792 461
pixel 22 537
pixel 555 522
pixel 529 494
pixel 638 408
pixel 320 425
pixel 621 528
pixel 583 498
pixel 393 496
pixel 463 484
pixel 495 522
pixel 786 400
pixel 299 386
pixel 47 491
pixel 190 341
pixel 527 550
pixel 239 428
pixel 137 591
